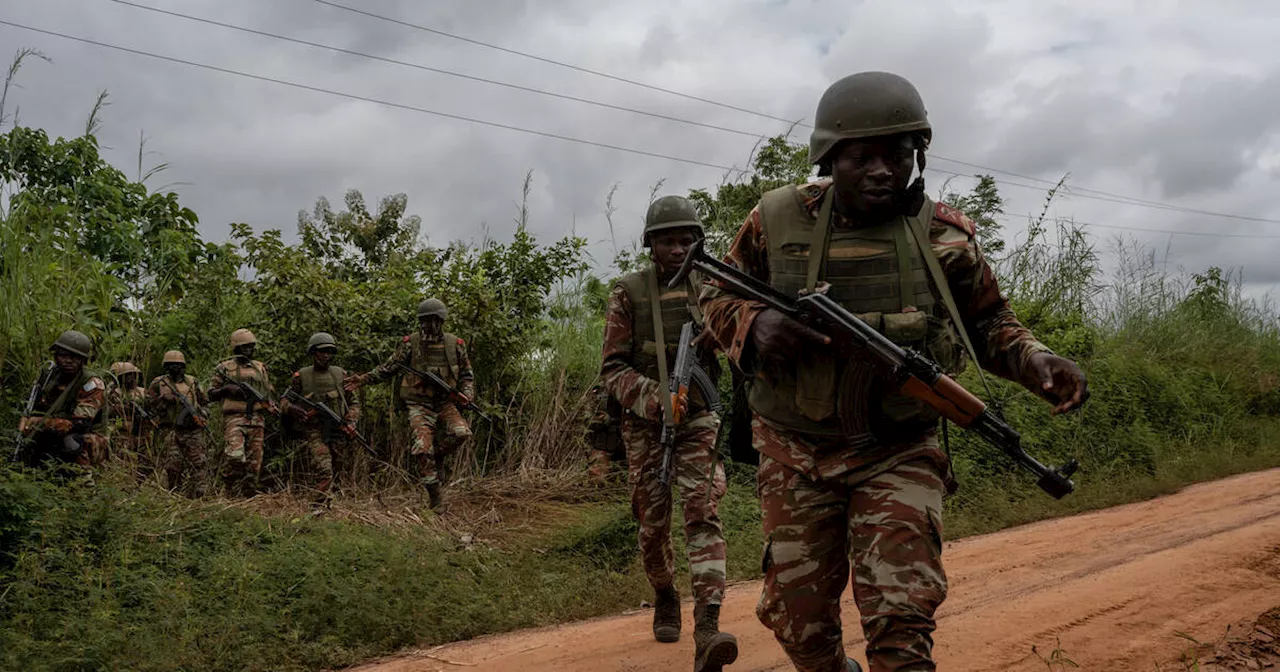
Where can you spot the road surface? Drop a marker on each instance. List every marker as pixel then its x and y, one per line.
pixel 1113 589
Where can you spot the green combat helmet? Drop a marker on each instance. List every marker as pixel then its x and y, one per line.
pixel 73 342
pixel 433 306
pixel 671 212
pixel 321 341
pixel 865 105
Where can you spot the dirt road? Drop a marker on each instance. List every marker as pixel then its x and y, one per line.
pixel 1114 587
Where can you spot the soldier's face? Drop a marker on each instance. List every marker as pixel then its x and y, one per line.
pixel 870 174
pixel 68 363
pixel 322 358
pixel 129 380
pixel 246 351
pixel 175 369
pixel 671 247
pixel 430 324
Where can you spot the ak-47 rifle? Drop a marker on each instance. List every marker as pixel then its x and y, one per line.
pixel 139 413
pixel 32 398
pixel 252 397
pixel 450 391
pixel 904 369
pixel 686 372
pixel 197 417
pixel 332 421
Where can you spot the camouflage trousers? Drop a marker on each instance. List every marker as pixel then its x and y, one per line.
pixel 423 422
pixel 699 476
pixel 94 453
pixel 319 459
pixel 881 517
pixel 244 447
pixel 184 459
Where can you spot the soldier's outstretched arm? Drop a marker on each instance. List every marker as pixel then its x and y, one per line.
pixel 1004 345
pixel 384 371
pixel 623 382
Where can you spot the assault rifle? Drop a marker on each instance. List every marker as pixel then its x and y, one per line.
pixel 139 413
pixel 904 369
pixel 332 421
pixel 452 392
pixel 687 371
pixel 32 398
pixel 189 409
pixel 252 397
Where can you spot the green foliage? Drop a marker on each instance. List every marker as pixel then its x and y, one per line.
pixel 983 204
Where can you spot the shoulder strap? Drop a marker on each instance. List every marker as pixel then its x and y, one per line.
pixel 664 385
pixel 692 299
pixel 821 238
pixel 919 225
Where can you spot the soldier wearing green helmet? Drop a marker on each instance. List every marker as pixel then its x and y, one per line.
pixel 432 412
pixel 832 494
pixel 322 382
pixel 68 419
pixel 642 332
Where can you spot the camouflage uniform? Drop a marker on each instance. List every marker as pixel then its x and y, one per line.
pixel 130 432
pixel 181 438
pixel 427 407
pixel 603 435
pixel 699 475
pixel 319 441
pixel 244 434
pixel 74 408
pixel 828 497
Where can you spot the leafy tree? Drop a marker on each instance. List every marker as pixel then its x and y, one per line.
pixel 983 204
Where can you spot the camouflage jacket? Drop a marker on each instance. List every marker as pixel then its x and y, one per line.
pixel 350 415
pixel 1002 343
pixel 85 405
pixel 404 355
pixel 163 399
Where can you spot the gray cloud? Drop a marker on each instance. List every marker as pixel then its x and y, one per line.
pixel 1158 102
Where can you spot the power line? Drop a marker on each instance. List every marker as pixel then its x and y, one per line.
pixel 555 136
pixel 1080 191
pixel 1120 227
pixel 376 101
pixel 441 71
pixel 562 64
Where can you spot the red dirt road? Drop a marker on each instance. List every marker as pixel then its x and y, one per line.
pixel 1113 586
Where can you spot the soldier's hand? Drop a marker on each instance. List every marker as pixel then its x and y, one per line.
pixel 353 382
pixel 59 425
pixel 349 429
pixel 776 336
pixel 461 399
pixel 1058 380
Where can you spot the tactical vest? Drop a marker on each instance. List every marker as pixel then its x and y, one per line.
pixel 677 306
pixel 324 387
pixel 64 404
pixel 173 406
pixel 879 274
pixel 438 357
pixel 254 373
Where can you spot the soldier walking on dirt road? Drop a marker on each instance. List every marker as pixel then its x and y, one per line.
pixel 913 270
pixel 642 331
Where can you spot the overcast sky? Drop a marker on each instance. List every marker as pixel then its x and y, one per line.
pixel 1175 102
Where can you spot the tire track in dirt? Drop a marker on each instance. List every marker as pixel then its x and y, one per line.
pixel 1112 587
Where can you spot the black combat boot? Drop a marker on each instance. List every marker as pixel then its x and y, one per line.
pixel 713 649
pixel 852 665
pixel 666 615
pixel 437 500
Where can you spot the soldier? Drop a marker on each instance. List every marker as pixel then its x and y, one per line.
pixel 244 424
pixel 642 329
pixel 322 382
pixel 430 349
pixel 66 424
pixel 131 424
pixel 827 496
pixel 603 434
pixel 178 401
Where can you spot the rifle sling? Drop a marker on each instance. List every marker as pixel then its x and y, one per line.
pixel 664 382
